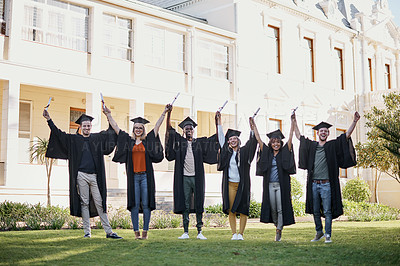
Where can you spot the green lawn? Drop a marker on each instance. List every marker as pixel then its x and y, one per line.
pixel 353 243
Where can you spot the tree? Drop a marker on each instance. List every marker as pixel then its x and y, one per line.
pixel 37 152
pixel 381 151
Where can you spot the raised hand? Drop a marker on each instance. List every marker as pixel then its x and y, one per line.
pixel 46 114
pixel 356 116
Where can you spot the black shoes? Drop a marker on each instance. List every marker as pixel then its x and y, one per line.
pixel 114 236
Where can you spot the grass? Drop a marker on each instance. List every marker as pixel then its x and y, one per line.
pixel 353 243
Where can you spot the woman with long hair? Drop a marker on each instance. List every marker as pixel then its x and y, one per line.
pixel 276 163
pixel 139 152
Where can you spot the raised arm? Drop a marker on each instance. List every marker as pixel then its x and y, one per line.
pixel 295 127
pixel 256 134
pixel 220 131
pixel 353 124
pixel 110 119
pixel 289 143
pixel 161 119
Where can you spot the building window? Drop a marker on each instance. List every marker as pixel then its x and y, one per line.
pixel 118 37
pixel 165 48
pixel 388 84
pixel 2 17
pixel 339 68
pixel 74 114
pixel 309 62
pixel 342 172
pixel 371 81
pixel 56 23
pixel 275 51
pixel 213 59
pixel 310 132
pixel 274 124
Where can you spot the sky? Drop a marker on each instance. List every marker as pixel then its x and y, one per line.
pixel 394 6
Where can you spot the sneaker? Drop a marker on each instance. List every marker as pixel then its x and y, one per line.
pixel 278 235
pixel 200 236
pixel 184 236
pixel 318 237
pixel 240 237
pixel 234 236
pixel 88 235
pixel 328 239
pixel 114 236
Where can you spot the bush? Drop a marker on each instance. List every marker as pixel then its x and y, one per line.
pixel 120 218
pixel 35 217
pixel 217 208
pixel 11 214
pixel 299 208
pixel 365 211
pixel 296 188
pixel 55 217
pixel 73 222
pixel 356 190
pixel 161 220
pixel 255 209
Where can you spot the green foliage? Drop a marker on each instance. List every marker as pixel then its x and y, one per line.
pixel 11 214
pixel 356 190
pixel 119 218
pixel 217 208
pixel 161 220
pixel 299 208
pixel 56 217
pixel 255 209
pixel 73 222
pixel 296 188
pixel 366 212
pixel 381 151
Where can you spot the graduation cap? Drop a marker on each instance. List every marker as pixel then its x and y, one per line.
pixel 186 122
pixel 231 133
pixel 277 134
pixel 141 120
pixel 83 118
pixel 322 125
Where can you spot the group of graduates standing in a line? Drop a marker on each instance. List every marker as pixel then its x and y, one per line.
pixel 138 151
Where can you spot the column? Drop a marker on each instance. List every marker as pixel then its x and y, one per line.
pixel 9 129
pixel 397 70
pixel 16 14
pixel 93 108
pixel 96 40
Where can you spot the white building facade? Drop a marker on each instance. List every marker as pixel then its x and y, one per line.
pixel 328 58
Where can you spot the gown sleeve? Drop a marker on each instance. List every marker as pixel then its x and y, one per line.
pixel 154 147
pixel 121 153
pixel 304 149
pixel 108 140
pixel 262 160
pixel 210 147
pixel 345 153
pixel 59 142
pixel 288 162
pixel 172 144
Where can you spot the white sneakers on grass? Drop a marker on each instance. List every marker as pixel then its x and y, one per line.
pixel 240 237
pixel 185 235
pixel 234 236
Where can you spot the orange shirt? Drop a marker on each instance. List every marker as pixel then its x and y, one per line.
pixel 139 158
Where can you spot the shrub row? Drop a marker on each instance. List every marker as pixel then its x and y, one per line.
pixel 365 211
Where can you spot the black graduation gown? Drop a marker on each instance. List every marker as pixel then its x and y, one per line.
pixel 339 153
pixel 286 167
pixel 246 153
pixel 153 153
pixel 204 151
pixel 69 146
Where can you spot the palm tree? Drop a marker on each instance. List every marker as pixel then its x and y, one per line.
pixel 37 152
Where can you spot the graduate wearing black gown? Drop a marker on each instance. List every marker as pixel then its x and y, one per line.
pixel 276 163
pixel 338 153
pixel 204 151
pixel 82 150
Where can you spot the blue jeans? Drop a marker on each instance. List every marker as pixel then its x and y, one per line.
pixel 141 194
pixel 322 192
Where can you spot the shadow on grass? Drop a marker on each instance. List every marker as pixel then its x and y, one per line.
pixel 353 243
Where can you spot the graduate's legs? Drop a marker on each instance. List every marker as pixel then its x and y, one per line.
pixel 144 195
pixel 135 208
pixel 242 224
pixel 326 204
pixel 98 202
pixel 232 189
pixel 317 208
pixel 188 190
pixel 83 187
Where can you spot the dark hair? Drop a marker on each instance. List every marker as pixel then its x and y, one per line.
pixel 270 140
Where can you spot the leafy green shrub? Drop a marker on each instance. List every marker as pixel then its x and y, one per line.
pixel 365 211
pixel 299 208
pixel 73 222
pixel 35 217
pixel 255 209
pixel 356 190
pixel 55 217
pixel 11 214
pixel 120 218
pixel 217 220
pixel 161 220
pixel 217 208
pixel 296 188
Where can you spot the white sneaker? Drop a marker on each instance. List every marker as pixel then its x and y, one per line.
pixel 200 236
pixel 328 239
pixel 240 237
pixel 234 236
pixel 184 236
